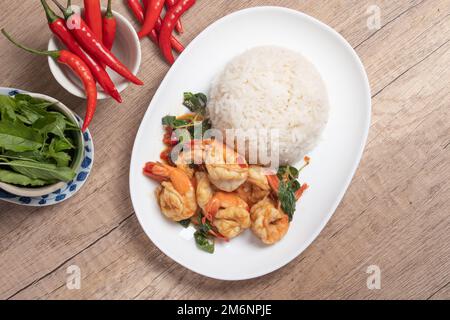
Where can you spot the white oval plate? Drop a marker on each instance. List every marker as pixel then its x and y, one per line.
pixel 334 161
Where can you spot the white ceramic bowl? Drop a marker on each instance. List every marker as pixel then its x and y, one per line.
pixel 127 49
pixel 78 158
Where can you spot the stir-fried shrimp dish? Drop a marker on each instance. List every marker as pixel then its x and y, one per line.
pixel 207 184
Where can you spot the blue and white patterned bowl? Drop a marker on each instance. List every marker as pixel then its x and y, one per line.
pixel 65 190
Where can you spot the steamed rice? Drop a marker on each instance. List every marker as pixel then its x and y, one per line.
pixel 272 88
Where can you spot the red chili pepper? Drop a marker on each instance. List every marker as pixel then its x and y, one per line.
pixel 58 27
pixel 145 3
pixel 94 47
pixel 176 45
pixel 152 14
pixel 93 16
pixel 109 27
pixel 178 25
pixel 138 12
pixel 79 67
pixel 274 183
pixel 172 16
pixel 165 155
pixel 300 191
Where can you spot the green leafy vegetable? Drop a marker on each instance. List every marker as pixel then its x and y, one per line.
pixel 195 102
pixel 44 171
pixel 62 158
pixel 288 187
pixel 35 142
pixel 16 136
pixel 173 122
pixel 35 102
pixel 51 123
pixel 204 242
pixel 20 179
pixel 62 144
pixel 185 223
pixel 288 171
pixel 7 108
pixel 286 195
pixel 27 155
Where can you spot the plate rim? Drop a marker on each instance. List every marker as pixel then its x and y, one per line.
pixel 295 253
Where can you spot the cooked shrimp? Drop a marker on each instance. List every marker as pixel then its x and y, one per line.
pixel 257 186
pixel 204 189
pixel 224 200
pixel 187 157
pixel 228 213
pixel 251 194
pixel 176 195
pixel 231 222
pixel 269 223
pixel 227 170
pixel 258 177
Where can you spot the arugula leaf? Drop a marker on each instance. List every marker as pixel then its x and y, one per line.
pixel 44 171
pixel 204 242
pixel 195 102
pixel 18 137
pixel 12 177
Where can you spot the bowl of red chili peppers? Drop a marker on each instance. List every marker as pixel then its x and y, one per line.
pixel 95 53
pixel 89 37
pixel 117 34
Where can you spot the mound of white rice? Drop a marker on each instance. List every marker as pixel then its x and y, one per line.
pixel 272 88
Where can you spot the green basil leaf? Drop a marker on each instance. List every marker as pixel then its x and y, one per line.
pixel 195 102
pixel 173 122
pixel 287 199
pixel 18 137
pixel 168 120
pixel 185 223
pixel 288 172
pixel 294 185
pixel 203 227
pixel 12 177
pixel 203 242
pixel 43 171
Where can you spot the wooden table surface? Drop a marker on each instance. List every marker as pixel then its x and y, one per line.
pixel 395 214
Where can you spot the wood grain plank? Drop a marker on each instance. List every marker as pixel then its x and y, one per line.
pixel 376 223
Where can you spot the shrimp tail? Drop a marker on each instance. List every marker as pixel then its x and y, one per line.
pixel 211 208
pixel 156 171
